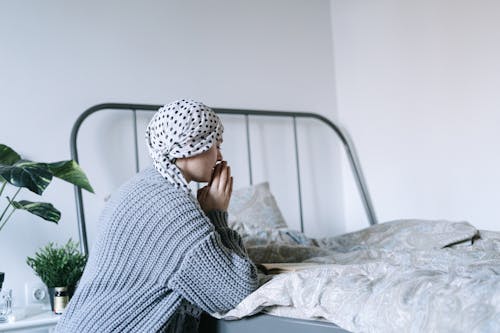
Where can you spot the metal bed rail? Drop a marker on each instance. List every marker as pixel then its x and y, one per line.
pixel 134 108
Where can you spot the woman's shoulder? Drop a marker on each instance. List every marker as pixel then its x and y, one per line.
pixel 149 174
pixel 150 186
pixel 147 177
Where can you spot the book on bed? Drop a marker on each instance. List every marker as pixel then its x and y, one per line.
pixel 282 267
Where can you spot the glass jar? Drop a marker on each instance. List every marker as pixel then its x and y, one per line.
pixel 5 305
pixel 61 299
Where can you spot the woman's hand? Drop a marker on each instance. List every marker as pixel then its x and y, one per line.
pixel 216 195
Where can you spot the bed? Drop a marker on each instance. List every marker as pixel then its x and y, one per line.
pixel 397 276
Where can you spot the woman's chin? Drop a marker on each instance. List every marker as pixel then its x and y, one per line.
pixel 205 179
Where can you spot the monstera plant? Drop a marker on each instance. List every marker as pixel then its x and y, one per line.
pixel 35 177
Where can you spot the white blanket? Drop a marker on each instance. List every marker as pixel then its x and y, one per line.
pixel 408 275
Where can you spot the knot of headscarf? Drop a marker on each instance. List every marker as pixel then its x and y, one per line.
pixel 181 129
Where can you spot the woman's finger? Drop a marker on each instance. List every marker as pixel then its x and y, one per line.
pixel 228 179
pixel 230 187
pixel 216 177
pixel 223 178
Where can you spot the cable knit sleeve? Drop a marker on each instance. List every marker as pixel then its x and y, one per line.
pixel 216 274
pixel 229 237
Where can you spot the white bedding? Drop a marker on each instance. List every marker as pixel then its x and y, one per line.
pixel 407 275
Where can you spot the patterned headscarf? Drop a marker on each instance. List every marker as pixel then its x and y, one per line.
pixel 180 129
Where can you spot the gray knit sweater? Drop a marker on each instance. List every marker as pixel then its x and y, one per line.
pixel 156 249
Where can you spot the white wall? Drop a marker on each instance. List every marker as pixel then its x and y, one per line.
pixel 58 58
pixel 417 86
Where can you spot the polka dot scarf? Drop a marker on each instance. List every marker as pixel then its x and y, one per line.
pixel 182 128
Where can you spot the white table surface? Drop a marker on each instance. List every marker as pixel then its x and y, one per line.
pixel 40 320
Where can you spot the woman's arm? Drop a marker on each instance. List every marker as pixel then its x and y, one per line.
pixel 213 276
pixel 229 237
pixel 216 273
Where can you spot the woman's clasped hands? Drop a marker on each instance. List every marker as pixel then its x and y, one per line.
pixel 217 193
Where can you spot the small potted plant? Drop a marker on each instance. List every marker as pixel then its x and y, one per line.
pixel 58 267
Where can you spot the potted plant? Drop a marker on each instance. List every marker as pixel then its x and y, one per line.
pixel 34 176
pixel 58 266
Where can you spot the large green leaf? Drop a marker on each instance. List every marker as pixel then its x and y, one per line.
pixel 43 209
pixel 7 155
pixel 31 175
pixel 71 172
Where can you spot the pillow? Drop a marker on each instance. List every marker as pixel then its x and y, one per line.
pixel 409 234
pixel 268 236
pixel 254 208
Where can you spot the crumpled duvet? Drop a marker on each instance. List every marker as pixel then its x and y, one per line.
pixel 405 275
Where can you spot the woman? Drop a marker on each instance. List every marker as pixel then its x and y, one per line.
pixel 162 254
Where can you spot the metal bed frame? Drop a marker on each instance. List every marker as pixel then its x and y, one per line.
pixel 259 321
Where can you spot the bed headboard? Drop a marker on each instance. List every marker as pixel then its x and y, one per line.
pixel 135 109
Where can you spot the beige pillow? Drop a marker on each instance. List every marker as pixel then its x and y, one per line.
pixel 254 208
